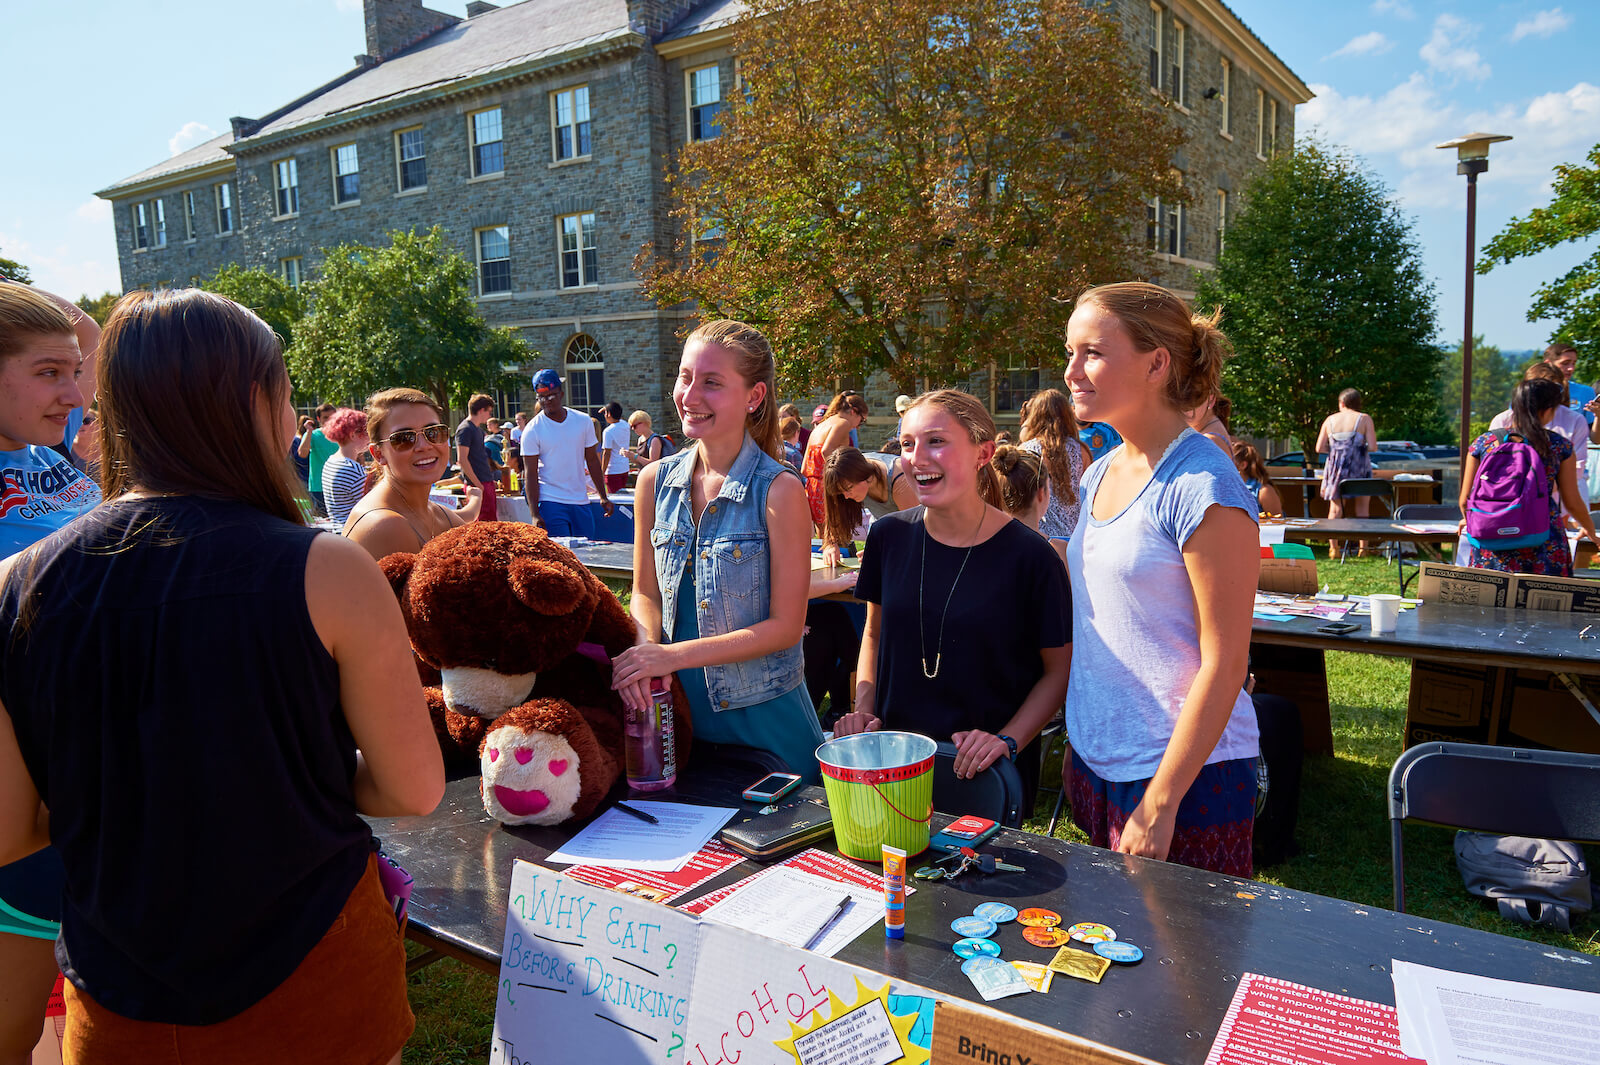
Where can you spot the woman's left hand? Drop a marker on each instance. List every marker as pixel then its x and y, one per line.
pixel 642 662
pixel 1147 835
pixel 977 751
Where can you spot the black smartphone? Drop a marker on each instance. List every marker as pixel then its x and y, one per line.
pixel 772 787
pixel 1337 628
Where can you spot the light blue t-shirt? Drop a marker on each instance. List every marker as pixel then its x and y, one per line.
pixel 40 491
pixel 1580 394
pixel 1135 642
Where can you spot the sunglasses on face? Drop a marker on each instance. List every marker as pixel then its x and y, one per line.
pixel 406 439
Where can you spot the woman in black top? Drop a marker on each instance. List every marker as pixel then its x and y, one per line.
pixel 968 634
pixel 186 674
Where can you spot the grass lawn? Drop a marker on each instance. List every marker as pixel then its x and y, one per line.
pixel 1343 835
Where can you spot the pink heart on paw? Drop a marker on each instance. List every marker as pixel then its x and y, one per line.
pixel 524 755
pixel 558 766
pixel 494 754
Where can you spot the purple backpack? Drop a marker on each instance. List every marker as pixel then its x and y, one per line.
pixel 1509 505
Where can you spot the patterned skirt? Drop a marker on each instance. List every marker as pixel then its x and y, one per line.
pixel 811 469
pixel 1216 819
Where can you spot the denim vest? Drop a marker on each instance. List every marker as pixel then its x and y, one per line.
pixel 732 568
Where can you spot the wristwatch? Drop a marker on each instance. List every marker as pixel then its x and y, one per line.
pixel 1009 742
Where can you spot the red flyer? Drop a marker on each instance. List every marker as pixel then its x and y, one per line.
pixel 711 859
pixel 1275 1022
pixel 813 861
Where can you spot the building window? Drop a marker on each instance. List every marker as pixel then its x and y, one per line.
pixel 1222 221
pixel 1180 35
pixel 411 159
pixel 1261 123
pixel 1014 381
pixel 1172 223
pixel 1152 223
pixel 488 145
pixel 586 375
pixel 286 177
pixel 569 111
pixel 346 174
pixel 494 260
pixel 141 226
pixel 1225 95
pixel 224 195
pixel 705 103
pixel 1156 19
pixel 160 211
pixel 578 259
pixel 291 270
pixel 188 215
pixel 1272 127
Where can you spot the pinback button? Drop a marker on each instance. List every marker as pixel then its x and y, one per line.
pixel 1122 953
pixel 1091 932
pixel 1045 935
pixel 998 912
pixel 972 948
pixel 1039 918
pixel 982 961
pixel 973 927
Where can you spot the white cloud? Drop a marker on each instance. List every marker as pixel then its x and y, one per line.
pixel 1402 118
pixel 1544 24
pixel 1373 43
pixel 191 134
pixel 62 270
pixel 1447 51
pixel 94 209
pixel 1397 8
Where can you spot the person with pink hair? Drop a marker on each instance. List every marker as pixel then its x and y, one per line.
pixel 344 478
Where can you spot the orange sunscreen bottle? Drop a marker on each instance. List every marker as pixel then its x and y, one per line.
pixel 894 892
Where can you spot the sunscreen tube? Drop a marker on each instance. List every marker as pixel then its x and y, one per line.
pixel 894 892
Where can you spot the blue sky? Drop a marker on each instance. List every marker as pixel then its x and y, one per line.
pixel 101 90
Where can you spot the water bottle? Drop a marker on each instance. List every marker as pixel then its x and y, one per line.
pixel 649 746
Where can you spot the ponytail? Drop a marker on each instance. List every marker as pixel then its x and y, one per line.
pixel 1155 318
pixel 1020 475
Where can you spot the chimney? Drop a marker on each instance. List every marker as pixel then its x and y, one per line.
pixel 395 25
pixel 480 7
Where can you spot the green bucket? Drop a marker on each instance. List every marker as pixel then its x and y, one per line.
pixel 880 791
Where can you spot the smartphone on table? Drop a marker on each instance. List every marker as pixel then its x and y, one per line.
pixel 772 787
pixel 969 830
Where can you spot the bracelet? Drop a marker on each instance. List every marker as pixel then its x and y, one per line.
pixel 1009 742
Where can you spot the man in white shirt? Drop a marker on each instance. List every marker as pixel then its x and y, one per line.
pixel 562 443
pixel 614 448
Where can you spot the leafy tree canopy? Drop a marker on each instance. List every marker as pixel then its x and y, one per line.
pixel 280 304
pixel 1494 375
pixel 1322 289
pixel 98 307
pixel 1574 298
pixel 11 270
pixel 399 315
pixel 916 187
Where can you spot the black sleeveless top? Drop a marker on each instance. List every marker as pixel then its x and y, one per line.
pixel 181 720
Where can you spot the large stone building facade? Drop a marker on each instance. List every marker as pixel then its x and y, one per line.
pixel 538 135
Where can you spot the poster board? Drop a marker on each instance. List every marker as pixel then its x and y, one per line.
pixel 1533 591
pixel 1463 585
pixel 1291 576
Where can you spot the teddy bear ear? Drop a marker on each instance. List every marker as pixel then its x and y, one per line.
pixel 397 569
pixel 545 588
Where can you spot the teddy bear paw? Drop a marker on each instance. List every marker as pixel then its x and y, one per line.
pixel 529 777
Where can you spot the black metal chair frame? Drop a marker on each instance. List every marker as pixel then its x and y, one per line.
pixel 995 793
pixel 1419 512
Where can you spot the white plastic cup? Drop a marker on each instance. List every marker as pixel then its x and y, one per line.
pixel 1385 612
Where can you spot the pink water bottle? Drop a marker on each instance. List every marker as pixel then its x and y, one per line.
pixel 651 754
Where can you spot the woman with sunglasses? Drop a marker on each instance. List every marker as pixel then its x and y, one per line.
pixel 411 445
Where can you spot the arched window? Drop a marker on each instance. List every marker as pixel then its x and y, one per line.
pixel 586 374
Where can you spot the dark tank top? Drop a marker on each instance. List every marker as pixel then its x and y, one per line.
pixel 181 720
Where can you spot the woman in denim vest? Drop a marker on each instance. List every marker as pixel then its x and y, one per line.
pixel 722 558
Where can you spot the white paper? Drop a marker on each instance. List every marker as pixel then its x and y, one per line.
pixel 788 905
pixel 621 841
pixel 1450 1018
pixel 1271 534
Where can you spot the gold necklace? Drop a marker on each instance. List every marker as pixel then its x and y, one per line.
pixel 938 653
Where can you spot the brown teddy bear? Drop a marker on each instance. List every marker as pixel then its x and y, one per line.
pixel 522 635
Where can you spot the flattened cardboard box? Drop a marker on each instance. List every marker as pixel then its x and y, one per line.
pixel 1463 585
pixel 1492 705
pixel 970 1035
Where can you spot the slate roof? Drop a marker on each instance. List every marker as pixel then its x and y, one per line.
pixel 709 16
pixel 212 151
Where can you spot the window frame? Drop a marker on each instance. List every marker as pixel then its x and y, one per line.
pixel 474 145
pixel 292 269
pixel 572 371
pixel 690 106
pixel 477 251
pixel 140 216
pixel 556 127
pixel 1180 57
pixel 188 214
pixel 401 188
pixel 1272 127
pixel 585 280
pixel 339 198
pixel 1222 221
pixel 1225 127
pixel 291 208
pixel 220 191
pixel 1157 46
pixel 1172 223
pixel 158 216
pixel 1261 123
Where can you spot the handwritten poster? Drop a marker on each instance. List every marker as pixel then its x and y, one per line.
pixel 616 970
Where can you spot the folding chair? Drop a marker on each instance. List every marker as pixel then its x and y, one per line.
pixel 995 793
pixel 1055 730
pixel 1508 791
pixel 1419 512
pixel 1364 487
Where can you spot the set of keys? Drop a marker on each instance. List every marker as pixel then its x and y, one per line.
pixel 961 860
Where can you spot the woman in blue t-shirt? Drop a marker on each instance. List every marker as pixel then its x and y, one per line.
pixel 1163 571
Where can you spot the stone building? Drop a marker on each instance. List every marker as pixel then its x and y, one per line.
pixel 538 134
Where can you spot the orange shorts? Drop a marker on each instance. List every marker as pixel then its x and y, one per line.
pixel 346 1002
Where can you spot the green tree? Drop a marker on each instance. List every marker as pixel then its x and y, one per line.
pixel 1494 375
pixel 98 307
pixel 280 304
pixel 11 270
pixel 916 187
pixel 1574 298
pixel 399 315
pixel 1322 289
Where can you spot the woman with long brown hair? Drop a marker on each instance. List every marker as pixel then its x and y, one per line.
pixel 1256 478
pixel 844 415
pixel 233 668
pixel 858 488
pixel 1050 430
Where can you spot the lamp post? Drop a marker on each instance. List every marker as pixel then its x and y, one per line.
pixel 1472 151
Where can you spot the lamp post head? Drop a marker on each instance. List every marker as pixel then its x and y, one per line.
pixel 1472 151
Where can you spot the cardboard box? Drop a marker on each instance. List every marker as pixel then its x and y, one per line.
pixel 1291 576
pixel 1463 585
pixel 968 1034
pixel 1503 707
